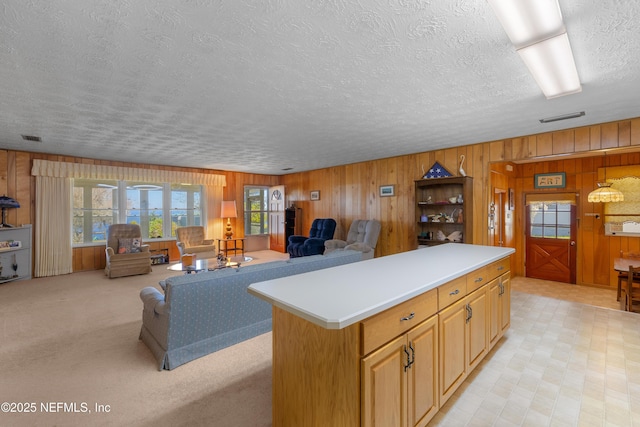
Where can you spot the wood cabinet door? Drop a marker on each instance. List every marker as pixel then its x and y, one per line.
pixel 495 311
pixel 452 348
pixel 478 327
pixel 423 374
pixel 384 385
pixel 505 298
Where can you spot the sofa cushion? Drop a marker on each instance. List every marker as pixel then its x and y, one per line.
pixel 129 245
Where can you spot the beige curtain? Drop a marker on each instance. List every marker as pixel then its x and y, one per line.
pixel 81 170
pixel 53 254
pixel 214 226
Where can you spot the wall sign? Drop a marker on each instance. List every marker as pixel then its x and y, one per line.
pixel 550 180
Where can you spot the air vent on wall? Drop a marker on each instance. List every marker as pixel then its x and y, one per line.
pixel 31 138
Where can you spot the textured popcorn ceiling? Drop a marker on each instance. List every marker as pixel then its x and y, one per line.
pixel 259 86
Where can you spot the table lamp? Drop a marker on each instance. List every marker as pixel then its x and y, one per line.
pixel 229 211
pixel 5 203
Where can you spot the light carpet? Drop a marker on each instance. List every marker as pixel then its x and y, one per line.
pixel 70 346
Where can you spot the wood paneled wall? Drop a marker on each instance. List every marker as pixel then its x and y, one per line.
pixel 351 191
pixel 595 251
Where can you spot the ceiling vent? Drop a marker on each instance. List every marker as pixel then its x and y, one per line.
pixel 564 117
pixel 31 138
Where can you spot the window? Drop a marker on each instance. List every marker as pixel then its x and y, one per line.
pixel 144 207
pixel 256 207
pixel 186 206
pixel 550 220
pixel 96 206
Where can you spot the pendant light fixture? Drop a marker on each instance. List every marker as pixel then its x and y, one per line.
pixel 605 193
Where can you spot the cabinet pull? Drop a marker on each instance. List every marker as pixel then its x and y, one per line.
pixel 413 354
pixel 456 292
pixel 469 313
pixel 501 289
pixel 479 279
pixel 501 268
pixel 409 317
pixel 408 359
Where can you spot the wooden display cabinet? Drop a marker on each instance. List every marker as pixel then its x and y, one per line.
pixel 444 206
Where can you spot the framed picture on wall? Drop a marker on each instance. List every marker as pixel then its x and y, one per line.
pixel 315 195
pixel 549 180
pixel 387 190
pixel 512 199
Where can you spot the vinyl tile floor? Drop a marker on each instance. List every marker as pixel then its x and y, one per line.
pixel 571 357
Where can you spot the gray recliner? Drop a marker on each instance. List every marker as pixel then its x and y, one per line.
pixel 362 236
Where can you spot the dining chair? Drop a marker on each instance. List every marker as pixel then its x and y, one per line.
pixel 622 275
pixel 631 292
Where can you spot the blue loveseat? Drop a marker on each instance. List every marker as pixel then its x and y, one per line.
pixel 202 313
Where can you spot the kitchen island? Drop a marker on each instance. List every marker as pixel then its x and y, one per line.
pixel 386 340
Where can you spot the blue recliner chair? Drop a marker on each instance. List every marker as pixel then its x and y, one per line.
pixel 322 229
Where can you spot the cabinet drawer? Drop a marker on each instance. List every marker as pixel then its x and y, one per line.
pixel 486 274
pixel 477 278
pixel 500 267
pixel 451 292
pixel 383 327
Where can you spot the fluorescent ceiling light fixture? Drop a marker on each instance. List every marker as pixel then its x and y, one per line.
pixel 536 30
pixel 529 21
pixel 552 66
pixel 563 117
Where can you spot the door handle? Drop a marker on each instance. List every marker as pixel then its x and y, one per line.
pixel 573 243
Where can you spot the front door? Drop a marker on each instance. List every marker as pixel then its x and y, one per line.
pixel 276 218
pixel 551 238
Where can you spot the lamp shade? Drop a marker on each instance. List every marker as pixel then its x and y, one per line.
pixel 229 209
pixel 605 194
pixel 8 202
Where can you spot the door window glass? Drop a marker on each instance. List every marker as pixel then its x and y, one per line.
pixel 550 220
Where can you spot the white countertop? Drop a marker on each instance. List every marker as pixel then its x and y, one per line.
pixel 337 297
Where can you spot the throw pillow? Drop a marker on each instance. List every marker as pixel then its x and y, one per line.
pixel 128 246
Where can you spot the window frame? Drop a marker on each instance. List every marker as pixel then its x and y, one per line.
pixel 121 209
pixel 264 211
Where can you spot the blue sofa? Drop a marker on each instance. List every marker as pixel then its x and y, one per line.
pixel 199 314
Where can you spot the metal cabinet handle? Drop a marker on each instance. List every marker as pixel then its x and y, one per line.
pixel 479 279
pixel 501 268
pixel 413 354
pixel 408 365
pixel 409 317
pixel 456 292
